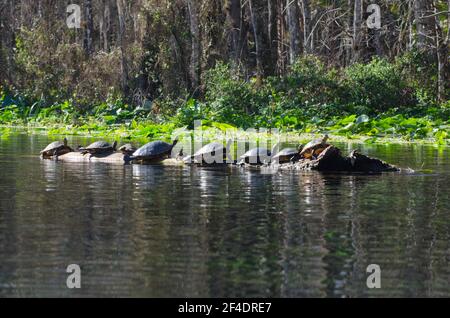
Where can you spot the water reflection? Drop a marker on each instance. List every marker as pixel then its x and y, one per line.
pixel 179 231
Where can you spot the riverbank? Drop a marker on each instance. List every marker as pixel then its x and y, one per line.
pixel 353 129
pixel 377 102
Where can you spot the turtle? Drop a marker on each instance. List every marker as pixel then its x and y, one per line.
pixel 127 149
pixel 99 147
pixel 153 151
pixel 56 149
pixel 210 154
pixel 314 148
pixel 287 155
pixel 256 156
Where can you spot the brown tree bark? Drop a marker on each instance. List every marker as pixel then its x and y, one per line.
pixel 233 11
pixel 272 31
pixel 122 44
pixel 424 24
pixel 307 39
pixel 294 30
pixel 442 54
pixel 89 28
pixel 195 45
pixel 282 58
pixel 104 25
pixel 357 30
pixel 2 59
pixel 257 34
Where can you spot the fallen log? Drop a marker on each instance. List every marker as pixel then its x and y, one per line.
pixel 111 158
pixel 331 160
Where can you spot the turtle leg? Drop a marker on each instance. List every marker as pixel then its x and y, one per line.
pixel 317 152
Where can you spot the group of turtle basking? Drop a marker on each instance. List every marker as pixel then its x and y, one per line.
pixel 159 150
pixel 315 155
pixel 151 151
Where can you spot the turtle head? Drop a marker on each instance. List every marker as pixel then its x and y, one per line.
pixel 65 142
pixel 175 141
pixel 325 138
pixel 114 145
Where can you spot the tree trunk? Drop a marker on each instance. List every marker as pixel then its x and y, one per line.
pixel 107 27
pixel 233 11
pixel 307 39
pixel 442 52
pixel 195 46
pixel 89 29
pixel 272 31
pixel 3 65
pixel 281 37
pixel 104 25
pixel 121 39
pixel 257 34
pixel 357 36
pixel 423 24
pixel 294 30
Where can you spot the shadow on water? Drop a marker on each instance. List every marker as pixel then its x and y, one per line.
pixel 231 232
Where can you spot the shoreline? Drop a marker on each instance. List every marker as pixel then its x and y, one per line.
pixel 120 131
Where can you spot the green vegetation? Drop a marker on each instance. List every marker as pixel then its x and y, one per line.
pixel 377 99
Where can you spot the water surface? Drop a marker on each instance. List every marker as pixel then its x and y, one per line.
pixel 150 231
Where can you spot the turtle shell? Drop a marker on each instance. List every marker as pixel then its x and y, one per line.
pixel 210 148
pixel 286 152
pixel 315 144
pixel 128 148
pixel 286 155
pixel 53 146
pixel 99 145
pixel 255 155
pixel 153 149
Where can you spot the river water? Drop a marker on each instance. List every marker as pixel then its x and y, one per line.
pixel 151 231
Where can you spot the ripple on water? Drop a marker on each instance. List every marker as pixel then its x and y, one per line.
pixel 174 231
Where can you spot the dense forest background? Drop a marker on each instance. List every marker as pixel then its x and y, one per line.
pixel 239 57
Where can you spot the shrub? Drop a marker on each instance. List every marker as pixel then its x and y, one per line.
pixel 377 85
pixel 233 100
pixel 190 112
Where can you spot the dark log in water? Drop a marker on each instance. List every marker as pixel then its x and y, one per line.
pixel 332 160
